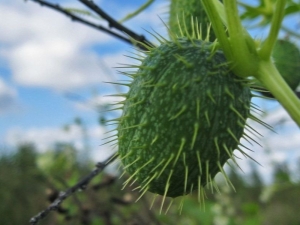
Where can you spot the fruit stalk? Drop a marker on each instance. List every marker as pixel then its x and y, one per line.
pixel 271 78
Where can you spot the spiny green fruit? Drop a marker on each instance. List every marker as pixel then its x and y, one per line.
pixel 183 117
pixel 286 57
pixel 180 10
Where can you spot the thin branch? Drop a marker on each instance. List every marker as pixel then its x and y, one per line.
pixel 290 31
pixel 76 18
pixel 79 186
pixel 136 12
pixel 113 23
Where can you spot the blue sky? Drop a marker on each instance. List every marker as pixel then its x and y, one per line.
pixel 45 58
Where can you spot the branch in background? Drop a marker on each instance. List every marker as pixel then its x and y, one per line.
pixel 136 12
pixel 290 31
pixel 134 39
pixel 115 24
pixel 79 186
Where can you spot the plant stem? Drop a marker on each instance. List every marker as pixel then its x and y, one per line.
pixel 266 50
pixel 242 46
pixel 215 14
pixel 273 81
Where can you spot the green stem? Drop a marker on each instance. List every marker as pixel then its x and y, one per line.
pixel 242 46
pixel 273 81
pixel 215 17
pixel 266 50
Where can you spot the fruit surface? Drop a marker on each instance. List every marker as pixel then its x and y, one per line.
pixel 182 118
pixel 185 15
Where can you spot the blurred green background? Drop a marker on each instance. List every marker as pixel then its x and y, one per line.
pixel 30 181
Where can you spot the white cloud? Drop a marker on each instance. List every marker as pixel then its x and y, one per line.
pixel 45 139
pixel 8 97
pixel 46 49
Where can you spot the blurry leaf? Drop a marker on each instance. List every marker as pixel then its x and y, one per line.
pixel 267 193
pixel 250 208
pixel 295 8
pixel 136 12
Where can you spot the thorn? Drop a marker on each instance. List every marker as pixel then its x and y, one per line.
pixel 186 172
pixel 109 141
pixel 198 108
pixel 254 118
pixel 217 146
pixel 135 58
pixel 252 139
pixel 141 195
pixel 134 126
pixel 109 110
pixel 236 112
pixel 137 103
pixel 116 83
pixel 183 60
pixel 149 181
pixel 130 164
pixel 232 135
pixel 227 180
pixel 181 205
pixel 159 164
pixel 207 118
pixel 169 206
pixel 154 140
pixel 210 96
pixel 125 95
pixel 165 166
pixel 207 171
pixel 199 162
pixel 183 140
pixel 195 134
pixel 166 191
pixel 152 203
pixel 227 91
pixel 251 128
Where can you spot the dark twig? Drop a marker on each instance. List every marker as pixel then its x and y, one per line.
pixel 79 186
pixel 114 24
pixel 133 40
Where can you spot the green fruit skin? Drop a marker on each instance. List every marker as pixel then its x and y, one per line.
pixel 286 57
pixel 163 87
pixel 181 14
